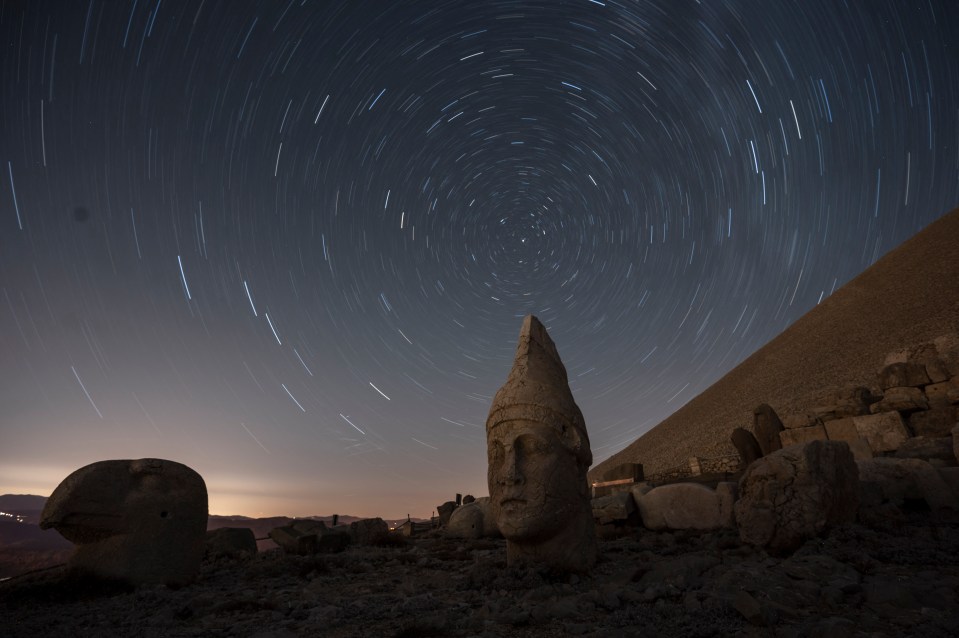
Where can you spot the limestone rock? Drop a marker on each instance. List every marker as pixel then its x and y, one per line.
pixel 803 435
pixel 902 479
pixel 946 392
pixel 230 542
pixel 538 454
pixel 684 506
pixel 791 495
pixel 938 420
pixel 767 426
pixel 846 402
pixel 140 521
pixel 903 399
pixel 903 375
pixel 445 511
pixel 803 420
pixel 617 507
pixel 747 445
pixel 369 531
pixel 885 432
pixel 473 520
pixel 935 450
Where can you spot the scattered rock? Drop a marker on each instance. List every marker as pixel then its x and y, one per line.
pixel 793 494
pixel 369 531
pixel 796 436
pixel 617 507
pixel 444 512
pixel 230 542
pixel 804 420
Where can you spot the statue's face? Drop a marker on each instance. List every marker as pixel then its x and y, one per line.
pixel 534 481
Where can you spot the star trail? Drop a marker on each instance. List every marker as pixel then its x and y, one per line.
pixel 290 243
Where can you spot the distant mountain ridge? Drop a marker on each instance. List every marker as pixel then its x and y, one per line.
pixel 909 296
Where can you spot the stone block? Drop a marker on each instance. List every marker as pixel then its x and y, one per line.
pixel 767 426
pixel 792 495
pixel 804 420
pixel 936 421
pixel 906 374
pixel 901 398
pixel 935 450
pixel 795 436
pixel 230 542
pixel 684 506
pixel 902 479
pixel 885 432
pixel 842 430
pixel 860 449
pixel 945 392
pixel 746 444
pixel 613 508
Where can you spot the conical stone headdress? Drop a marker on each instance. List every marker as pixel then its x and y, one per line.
pixel 537 389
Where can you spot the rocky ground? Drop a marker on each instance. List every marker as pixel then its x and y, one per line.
pixel 901 579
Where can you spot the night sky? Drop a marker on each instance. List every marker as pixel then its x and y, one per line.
pixel 290 244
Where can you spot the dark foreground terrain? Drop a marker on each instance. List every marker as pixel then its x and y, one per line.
pixel 899 580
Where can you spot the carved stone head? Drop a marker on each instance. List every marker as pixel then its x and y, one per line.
pixel 538 453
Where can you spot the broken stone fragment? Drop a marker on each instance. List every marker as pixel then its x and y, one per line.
pixel 747 445
pixel 902 399
pixel 903 375
pixel 766 428
pixel 139 521
pixel 795 493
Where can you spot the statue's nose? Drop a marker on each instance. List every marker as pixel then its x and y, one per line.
pixel 510 473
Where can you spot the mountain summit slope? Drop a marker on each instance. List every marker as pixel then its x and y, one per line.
pixel 909 296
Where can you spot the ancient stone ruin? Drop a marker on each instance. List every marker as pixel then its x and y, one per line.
pixel 139 521
pixel 538 452
pixel 862 453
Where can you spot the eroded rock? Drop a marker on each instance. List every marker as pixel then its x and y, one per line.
pixel 139 521
pixel 791 495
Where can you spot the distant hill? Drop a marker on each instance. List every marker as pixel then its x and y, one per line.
pixel 15 503
pixel 909 296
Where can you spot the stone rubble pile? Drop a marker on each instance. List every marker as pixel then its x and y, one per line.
pixel 862 453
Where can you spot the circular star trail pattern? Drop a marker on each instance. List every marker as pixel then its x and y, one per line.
pixel 290 243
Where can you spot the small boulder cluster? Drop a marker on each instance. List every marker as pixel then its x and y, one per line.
pixel 307 536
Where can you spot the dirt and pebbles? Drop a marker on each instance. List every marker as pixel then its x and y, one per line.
pixel 901 579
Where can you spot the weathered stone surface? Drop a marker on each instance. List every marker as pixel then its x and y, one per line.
pixel 230 542
pixel 616 507
pixel 140 521
pixel 803 435
pixel 848 401
pixel 903 399
pixel 473 520
pixel 803 420
pixel 727 492
pixel 469 498
pixel 936 421
pixel 746 444
pixel 444 512
pixel 846 430
pixel 538 454
pixel 936 450
pixel 905 374
pixel 946 392
pixel 684 506
pixel 369 531
pixel 793 494
pixel 902 479
pixel 766 427
pixel 302 537
pixel 884 432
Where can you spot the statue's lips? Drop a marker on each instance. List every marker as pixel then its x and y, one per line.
pixel 512 503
